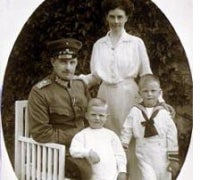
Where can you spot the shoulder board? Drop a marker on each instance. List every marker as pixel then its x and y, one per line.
pixel 43 83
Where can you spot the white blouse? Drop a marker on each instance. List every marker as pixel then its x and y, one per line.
pixel 127 59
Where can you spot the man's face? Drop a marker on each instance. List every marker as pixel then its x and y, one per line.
pixel 64 68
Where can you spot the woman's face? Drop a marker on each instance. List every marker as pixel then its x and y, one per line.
pixel 116 19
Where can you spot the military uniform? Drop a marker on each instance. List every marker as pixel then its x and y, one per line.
pixel 56 111
pixel 56 107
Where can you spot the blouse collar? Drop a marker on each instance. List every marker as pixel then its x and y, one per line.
pixel 124 37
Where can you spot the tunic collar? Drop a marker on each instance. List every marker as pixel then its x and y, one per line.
pixel 65 84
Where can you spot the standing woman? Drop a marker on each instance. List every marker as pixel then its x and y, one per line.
pixel 117 60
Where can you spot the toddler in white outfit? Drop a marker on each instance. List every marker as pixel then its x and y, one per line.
pixel 101 146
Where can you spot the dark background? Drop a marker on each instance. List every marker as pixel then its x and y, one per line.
pixel 83 20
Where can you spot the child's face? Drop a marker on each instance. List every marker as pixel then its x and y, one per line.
pixel 150 92
pixel 97 116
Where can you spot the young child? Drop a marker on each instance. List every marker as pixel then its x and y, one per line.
pixel 101 146
pixel 155 133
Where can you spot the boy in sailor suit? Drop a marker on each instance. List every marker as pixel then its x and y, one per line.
pixel 155 133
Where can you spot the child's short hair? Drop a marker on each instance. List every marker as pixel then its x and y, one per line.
pixel 148 78
pixel 97 102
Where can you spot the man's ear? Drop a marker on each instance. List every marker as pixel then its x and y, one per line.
pixel 127 18
pixel 76 61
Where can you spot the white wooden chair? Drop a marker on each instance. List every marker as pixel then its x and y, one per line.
pixel 33 160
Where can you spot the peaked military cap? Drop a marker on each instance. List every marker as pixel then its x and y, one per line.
pixel 66 48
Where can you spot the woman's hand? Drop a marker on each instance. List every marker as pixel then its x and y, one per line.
pixel 90 80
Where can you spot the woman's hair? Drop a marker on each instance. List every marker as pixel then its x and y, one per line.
pixel 125 5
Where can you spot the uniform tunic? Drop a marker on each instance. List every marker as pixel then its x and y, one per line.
pixel 151 152
pixel 107 145
pixel 55 111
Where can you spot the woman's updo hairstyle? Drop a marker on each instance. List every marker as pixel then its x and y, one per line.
pixel 125 5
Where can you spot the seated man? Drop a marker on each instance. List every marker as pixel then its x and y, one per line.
pixel 57 104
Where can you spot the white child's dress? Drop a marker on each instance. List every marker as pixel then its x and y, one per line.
pixel 107 145
pixel 151 152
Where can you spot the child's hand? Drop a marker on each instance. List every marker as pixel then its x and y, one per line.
pixel 174 168
pixel 94 157
pixel 121 176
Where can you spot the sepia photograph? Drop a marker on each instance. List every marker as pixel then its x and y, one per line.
pixel 99 90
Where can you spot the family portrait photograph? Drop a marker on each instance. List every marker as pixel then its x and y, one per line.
pixel 97 90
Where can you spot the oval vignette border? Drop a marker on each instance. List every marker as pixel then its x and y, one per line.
pixel 183 45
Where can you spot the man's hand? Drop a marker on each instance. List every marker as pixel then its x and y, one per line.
pixel 93 157
pixel 121 176
pixel 174 168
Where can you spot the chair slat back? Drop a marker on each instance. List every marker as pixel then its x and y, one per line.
pixel 33 160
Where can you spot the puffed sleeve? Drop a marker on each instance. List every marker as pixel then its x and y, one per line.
pixel 92 79
pixel 144 59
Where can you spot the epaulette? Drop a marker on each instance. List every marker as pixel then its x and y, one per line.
pixel 43 83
